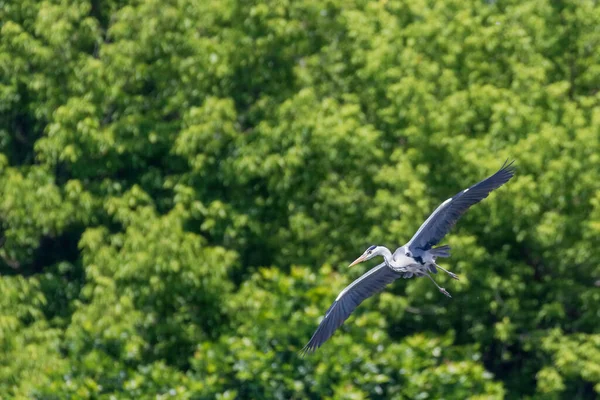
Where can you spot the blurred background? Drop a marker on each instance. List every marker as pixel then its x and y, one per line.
pixel 183 184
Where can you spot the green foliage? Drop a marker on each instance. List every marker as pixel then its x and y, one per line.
pixel 183 182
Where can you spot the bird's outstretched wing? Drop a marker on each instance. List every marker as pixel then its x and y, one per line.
pixel 367 285
pixel 445 216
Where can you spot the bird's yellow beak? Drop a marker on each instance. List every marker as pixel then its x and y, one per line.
pixel 357 261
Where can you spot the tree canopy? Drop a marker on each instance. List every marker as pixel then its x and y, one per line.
pixel 183 182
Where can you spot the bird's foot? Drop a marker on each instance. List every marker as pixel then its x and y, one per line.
pixel 445 292
pixel 453 275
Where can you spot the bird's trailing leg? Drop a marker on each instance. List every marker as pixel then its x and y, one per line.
pixel 452 274
pixel 438 286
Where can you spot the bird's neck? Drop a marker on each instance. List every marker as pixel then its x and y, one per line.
pixel 387 256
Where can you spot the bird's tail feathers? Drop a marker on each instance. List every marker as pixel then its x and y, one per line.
pixel 440 251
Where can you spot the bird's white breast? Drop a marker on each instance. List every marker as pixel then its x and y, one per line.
pixel 401 261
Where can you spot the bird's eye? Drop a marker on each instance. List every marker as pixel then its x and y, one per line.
pixel 369 252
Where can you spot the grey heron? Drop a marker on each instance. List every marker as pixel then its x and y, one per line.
pixel 416 258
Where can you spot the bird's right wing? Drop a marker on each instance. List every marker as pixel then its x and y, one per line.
pixel 367 285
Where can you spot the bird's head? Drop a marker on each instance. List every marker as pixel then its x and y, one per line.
pixel 371 252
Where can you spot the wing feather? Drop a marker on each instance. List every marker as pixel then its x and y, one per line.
pixel 445 216
pixel 362 288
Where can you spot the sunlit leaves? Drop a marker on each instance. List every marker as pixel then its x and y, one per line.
pixel 182 184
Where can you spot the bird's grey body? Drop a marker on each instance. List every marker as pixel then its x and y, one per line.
pixel 416 258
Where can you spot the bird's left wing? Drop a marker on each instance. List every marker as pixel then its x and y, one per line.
pixel 367 285
pixel 445 216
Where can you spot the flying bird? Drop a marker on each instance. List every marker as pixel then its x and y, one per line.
pixel 416 258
